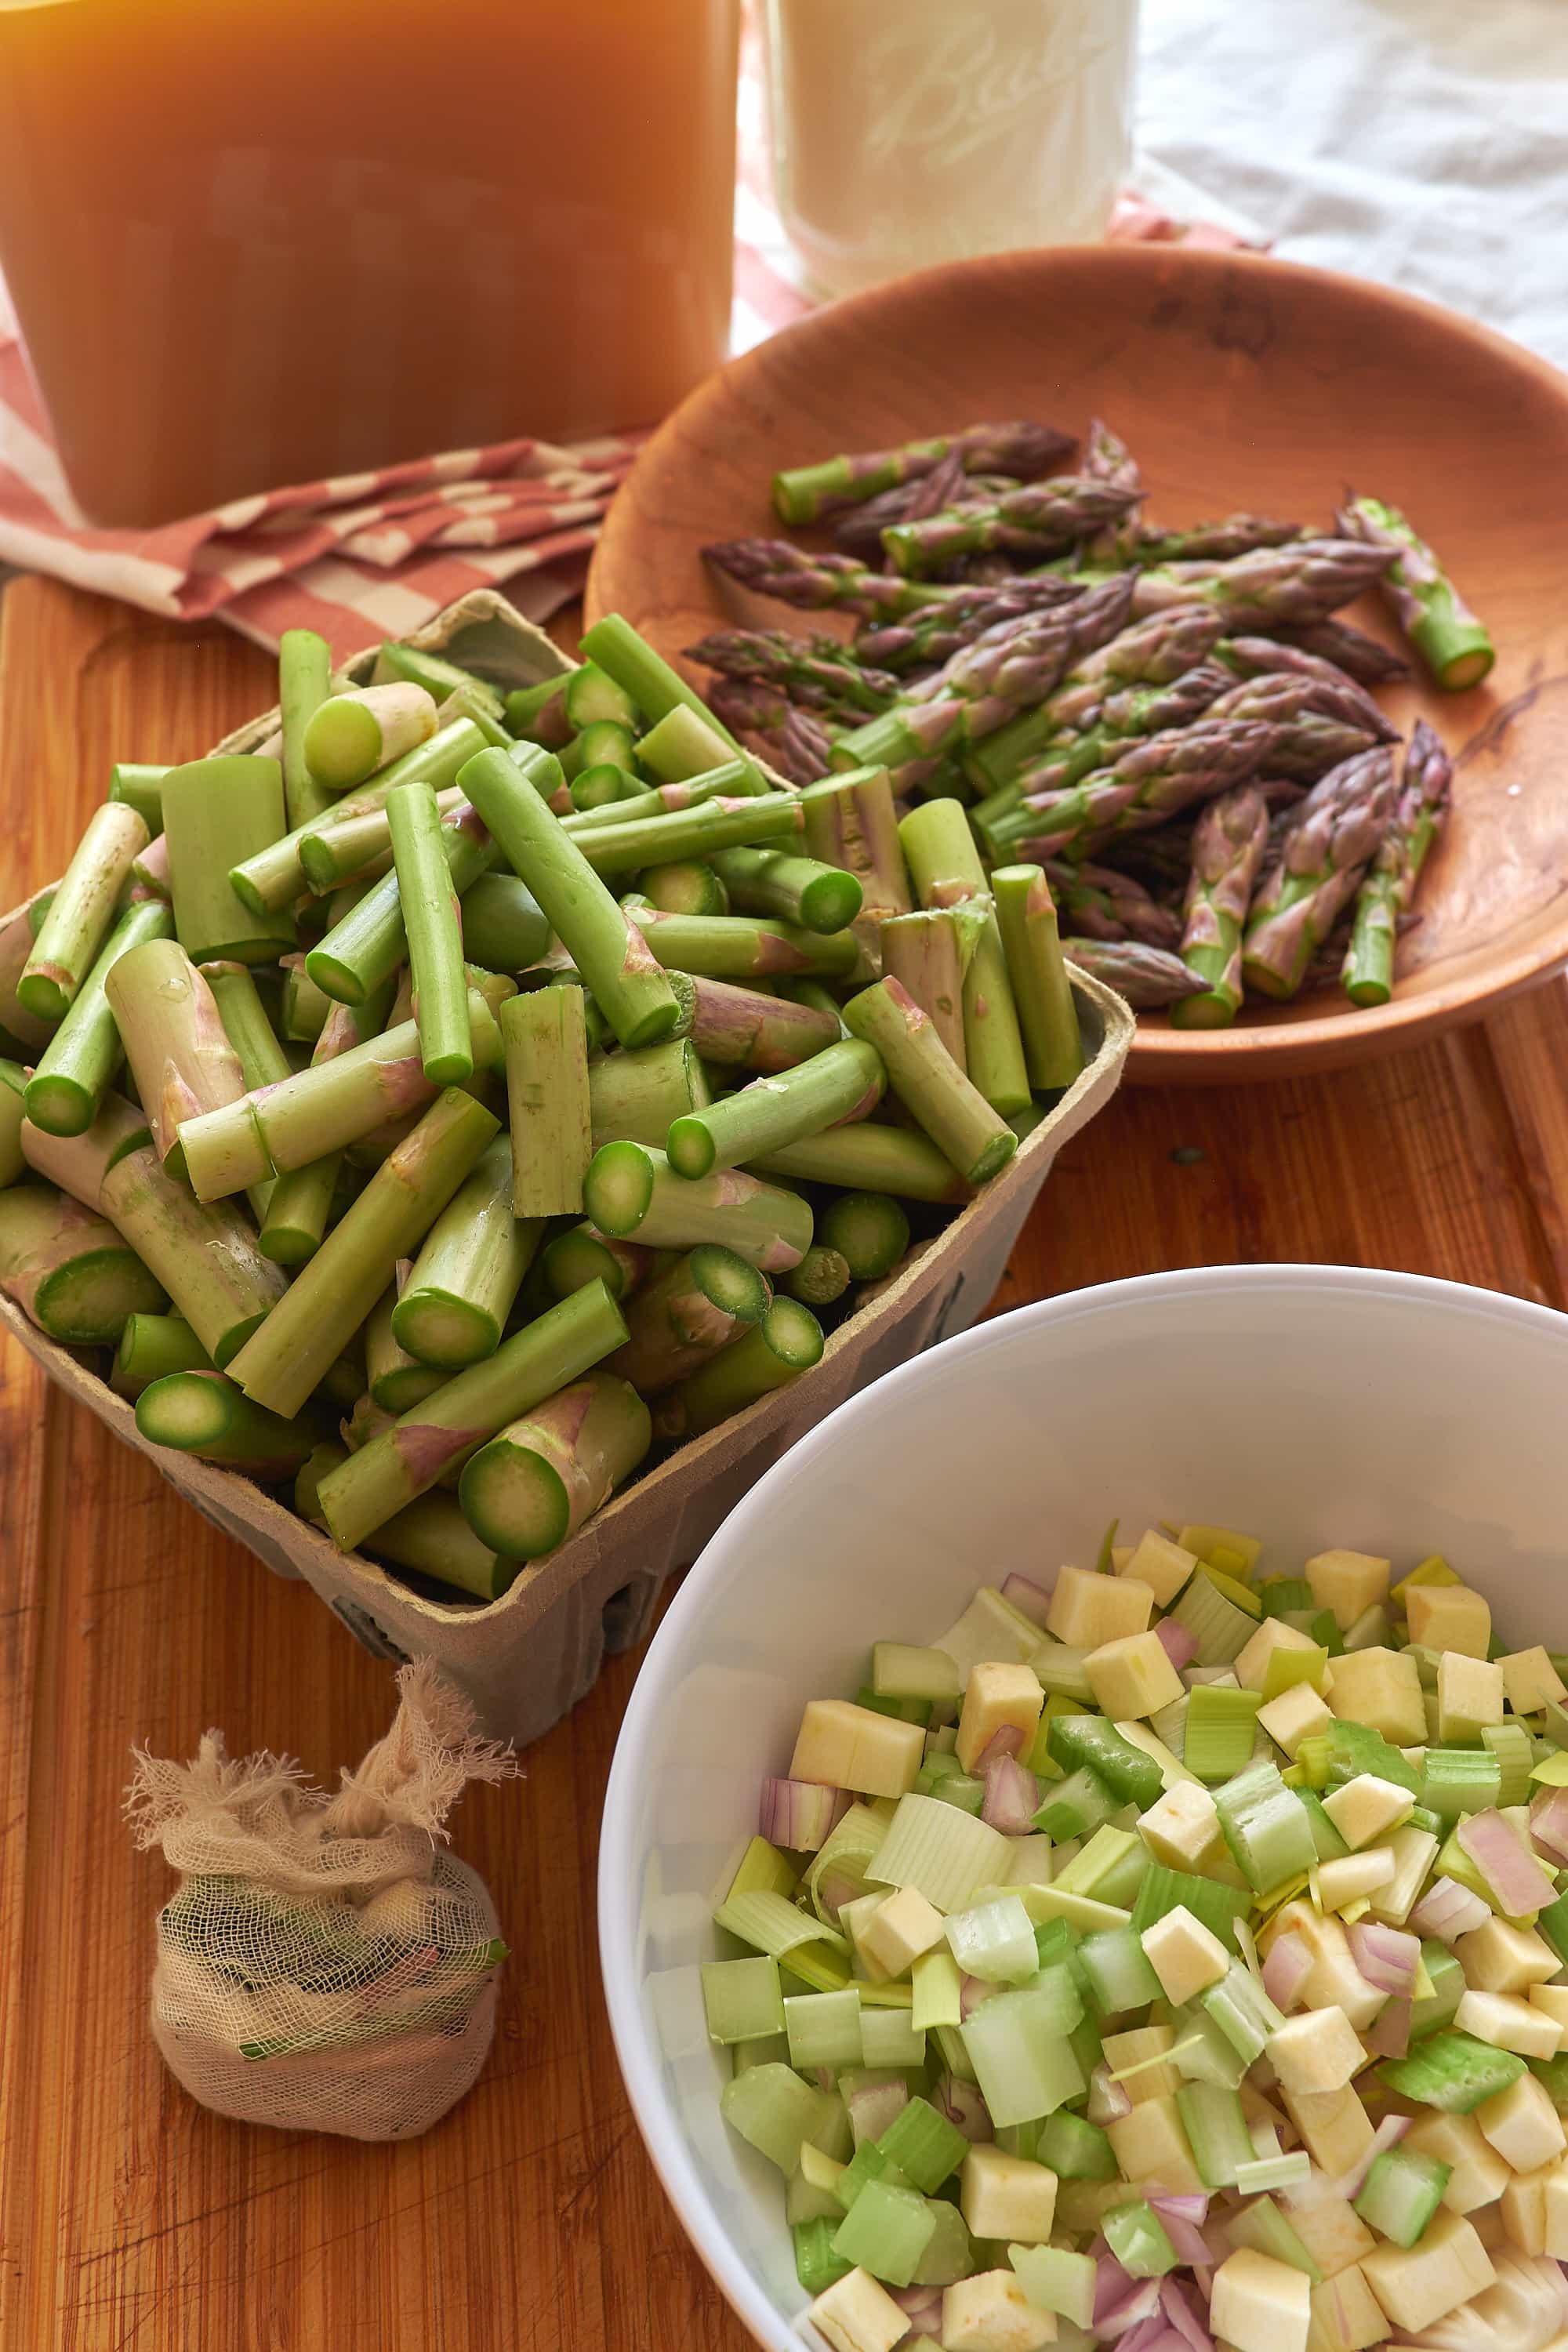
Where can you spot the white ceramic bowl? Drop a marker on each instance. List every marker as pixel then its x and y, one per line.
pixel 1314 1405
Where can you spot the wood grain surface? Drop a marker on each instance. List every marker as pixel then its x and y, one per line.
pixel 529 2221
pixel 1240 383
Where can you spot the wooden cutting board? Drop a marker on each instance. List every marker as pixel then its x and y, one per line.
pixel 529 2221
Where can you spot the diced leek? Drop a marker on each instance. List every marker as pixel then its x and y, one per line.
pixel 1263 2227
pixel 1433 1570
pixel 991 1631
pixel 1055 2280
pixel 1220 1729
pixel 1136 2236
pixel 1075 1806
pixel 1243 2012
pixel 936 1991
pixel 1079 1740
pixel 1220 1628
pixel 955 2055
pixel 1510 1744
pixel 1120 1976
pixel 885 2232
pixel 996 1943
pixel 1355 1749
pixel 900 1710
pixel 1330 1845
pixel 741 1999
pixel 1217 1905
pixel 1205 1542
pixel 1083 1912
pixel 816 2265
pixel 817 1954
pixel 926 2147
pixel 773 2050
pixel 1551 1770
pixel 889 2038
pixel 771 2107
pixel 1286 1668
pixel 823 2029
pixel 1284 1594
pixel 1453 2071
pixel 1455 1780
pixel 1216 2131
pixel 850 1846
pixel 942 1853
pixel 891 1995
pixel 1075 2148
pixel 1099 1869
pixel 1017 2043
pixel 1553 1925
pixel 1402 2192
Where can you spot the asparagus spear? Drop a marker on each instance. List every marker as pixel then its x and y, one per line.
pixel 822 1275
pixel 361 1494
pixel 80 912
pixel 304 683
pixel 859 528
pixel 684 887
pixel 546 1042
pixel 1332 839
pixel 1288 586
pixel 719 823
pixel 393 1379
pixel 928 954
pixel 1026 915
pixel 585 1254
pixel 1107 458
pixel 1098 902
pixel 77 1065
pixel 79 1164
pixel 1350 649
pixel 742 946
pixel 929 1083
pixel 1147 977
pixel 427 903
pixel 807 493
pixel 298 1205
pixel 1229 840
pixel 21 1033
pixel 142 788
pixel 633 1193
pixel 1419 814
pixel 786 1342
pixel 203 1413
pixel 801 890
pixel 152 1346
pixel 174 1039
pixel 219 814
pixel 535 1483
pixel 1231 535
pixel 367 945
pixel 351 736
pixel 1033 520
pixel 797 744
pixel 1339 696
pixel 739 1028
pixel 946 867
pixel 453 1307
pixel 205 1256
pixel 694 1307
pixel 620 970
pixel 1450 640
pixel 869 1158
pixel 773 567
pixel 850 824
pixel 931 636
pixel 635 1097
pixel 1151 780
pixel 837 1087
pixel 870 1231
pixel 68 1269
pixel 1154 651
pixel 13 1111
pixel 817 671
pixel 1130 716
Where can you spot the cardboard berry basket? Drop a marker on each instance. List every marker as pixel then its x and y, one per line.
pixel 526 1659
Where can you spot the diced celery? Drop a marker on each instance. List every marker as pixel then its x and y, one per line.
pixel 1312 1758
pixel 1243 2012
pixel 1033 1861
pixel 1552 2074
pixel 1511 1744
pixel 1099 1869
pixel 1435 1570
pixel 1075 2148
pixel 1553 1925
pixel 996 1943
pixel 990 1632
pixel 1283 1593
pixel 823 2029
pixel 1216 2131
pixel 885 2232
pixel 1016 2044
pixel 1286 1668
pixel 1266 1827
pixel 1217 1905
pixel 1104 1560
pixel 1084 1912
pixel 962 1790
pixel 816 2265
pixel 1453 2071
pixel 1056 2280
pixel 1170 1725
pixel 1330 1845
pixel 775 2111
pixel 1402 2192
pixel 1079 1740
pixel 1119 1974
pixel 889 2038
pixel 955 2055
pixel 1455 1780
pixel 926 2147
pixel 950 2255
pixel 763 1870
pixel 940 1764
pixel 1421 1817
pixel 810 2195
pixel 937 1991
pixel 1075 1806
pixel 902 1710
pixel 774 2049
pixel 741 1999
pixel 1202 2052
pixel 1447 1978
pixel 1220 1729
pixel 1086 2045
pixel 1263 2227
pixel 1355 1748
pixel 1220 1628
pixel 1292 2171
pixel 901 1671
pixel 816 1954
pixel 893 1994
pixel 1022 2139
pixel 1058 1669
pixel 867 2164
pixel 1136 2236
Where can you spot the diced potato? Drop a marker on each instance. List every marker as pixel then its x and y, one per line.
pixel 1260 2305
pixel 1135 2048
pixel 1031 1858
pixel 1004 2197
pixel 1421 2283
pixel 1252 1660
pixel 1554 2000
pixel 1346 2315
pixel 1151 2145
pixel 993 2314
pixel 1119 1556
pixel 1348 1582
pixel 1381 1688
pixel 1554 2216
pixel 1333 2125
pixel 1297 1714
pixel 1449 1617
pixel 1523 2205
pixel 1413 1851
pixel 902 1927
pixel 1487 2223
pixel 1088 1610
pixel 1470 1696
pixel 1497 1957
pixel 1132 1677
pixel 1162 1565
pixel 1509 2024
pixel 1185 1954
pixel 857 2314
pixel 1530 1680
pixel 1182 1828
pixel 1333 2232
pixel 1479 2172
pixel 989 1628
pixel 1350 1876
pixel 1367 1808
pixel 1335 1980
pixel 1522 2125
pixel 1314 2052
pixel 847 1747
pixel 998 1698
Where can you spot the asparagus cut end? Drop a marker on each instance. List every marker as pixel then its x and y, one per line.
pixel 60 1105
pixel 443 1330
pixel 691 1148
pixel 618 1188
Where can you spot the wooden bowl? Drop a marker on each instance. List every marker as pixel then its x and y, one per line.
pixel 1239 383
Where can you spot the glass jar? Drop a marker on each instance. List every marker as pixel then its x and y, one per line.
pixel 254 242
pixel 911 132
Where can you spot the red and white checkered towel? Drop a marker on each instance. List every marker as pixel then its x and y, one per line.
pixel 371 555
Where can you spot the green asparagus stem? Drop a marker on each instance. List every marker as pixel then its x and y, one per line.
pixel 1229 840
pixel 716 824
pixel 362 1494
pixel 80 912
pixel 1229 535
pixel 202 1413
pixel 785 1343
pixel 1454 645
pixel 946 867
pixel 141 787
pixel 842 1084
pixel 151 1348
pixel 634 1097
pixel 592 698
pixel 430 1536
pixel 605 741
pixel 262 1059
pixel 1288 587
pixel 740 1028
pixel 807 493
pixel 1148 977
pixel 427 903
pixel 503 926
pixel 304 683
pixel 440 679
pixel 303 1008
pixel 220 813
pixel 13 1109
pixel 150 871
pixel 1026 915
pixel 729 778
pixel 822 1275
pixel 205 1256
pixel 585 1254
pixel 742 946
pixel 536 1481
pixel 77 1065
pixel 684 887
pixel 21 1033
pixel 332 1295
pixel 363 950
pixel 453 1306
pixel 653 687
pixel 602 785
pixel 353 735
pixel 929 1082
pixel 358 847
pixel 174 1039
pixel 539 713
pixel 800 890
pixel 1389 890
pixel 297 1208
pixel 687 1313
pixel 868 1231
pixel 68 1270
pixel 1121 719
pixel 869 1158
pixel 632 1192
pixel 395 1379
pixel 547 1088
pixel 79 1163
pixel 850 824
pixel 609 951
pixel 274 875
pixel 1031 521
pixel 1332 839
pixel 928 954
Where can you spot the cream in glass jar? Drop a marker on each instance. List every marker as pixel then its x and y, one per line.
pixel 911 132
